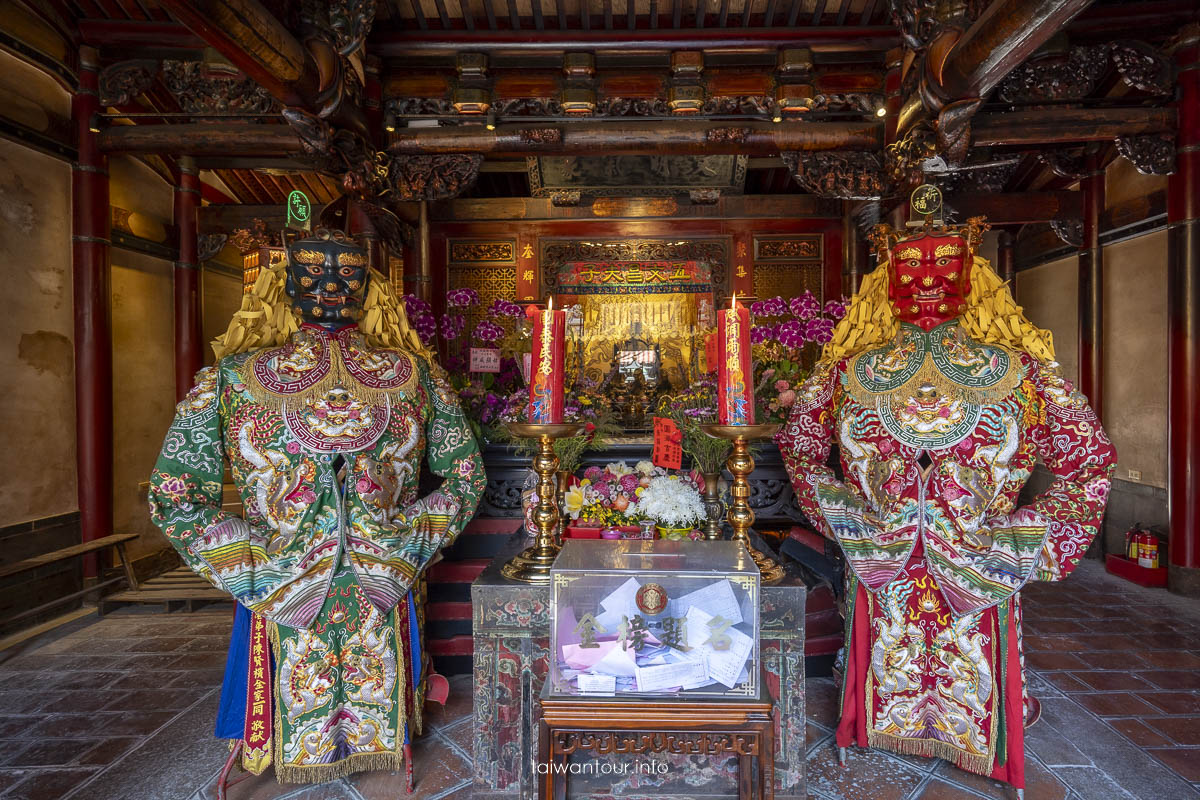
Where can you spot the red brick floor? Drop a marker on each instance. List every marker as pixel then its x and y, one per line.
pixel 123 708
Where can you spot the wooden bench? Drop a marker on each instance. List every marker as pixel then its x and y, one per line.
pixel 179 585
pixel 117 540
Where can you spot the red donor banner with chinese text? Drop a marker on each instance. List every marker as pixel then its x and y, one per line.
pixel 668 444
pixel 256 754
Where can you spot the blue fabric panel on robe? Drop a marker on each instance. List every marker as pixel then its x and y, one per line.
pixel 415 647
pixel 231 709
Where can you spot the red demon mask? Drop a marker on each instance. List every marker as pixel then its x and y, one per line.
pixel 930 279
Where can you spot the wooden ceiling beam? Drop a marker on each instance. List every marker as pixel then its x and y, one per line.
pixel 419 15
pixel 1068 125
pixel 126 34
pixel 818 12
pixel 827 39
pixel 1017 208
pixel 201 139
pixel 1006 34
pixel 490 10
pixel 254 41
pixel 680 136
pixel 468 17
pixel 443 15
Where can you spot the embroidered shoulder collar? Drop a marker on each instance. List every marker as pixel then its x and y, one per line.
pixel 315 361
pixel 945 358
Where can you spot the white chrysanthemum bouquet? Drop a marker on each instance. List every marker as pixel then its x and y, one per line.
pixel 671 502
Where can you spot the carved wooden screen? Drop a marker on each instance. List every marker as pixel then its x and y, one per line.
pixel 785 266
pixel 488 267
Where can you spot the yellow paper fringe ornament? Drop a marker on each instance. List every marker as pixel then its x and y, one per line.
pixel 991 316
pixel 266 319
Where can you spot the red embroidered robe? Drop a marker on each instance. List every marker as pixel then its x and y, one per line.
pixel 937 434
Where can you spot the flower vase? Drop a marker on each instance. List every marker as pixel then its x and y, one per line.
pixel 713 506
pixel 673 534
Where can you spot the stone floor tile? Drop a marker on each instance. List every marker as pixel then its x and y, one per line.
pixel 1093 782
pixel 437 768
pixel 1124 660
pixel 462 735
pixel 156 700
pixel 81 701
pixel 1174 702
pixel 173 764
pixel 141 680
pixel 1054 644
pixel 207 644
pixel 1051 747
pixel 822 695
pixel 1054 660
pixel 79 680
pixel 265 787
pixel 1065 682
pixel 146 662
pixel 1181 730
pixel 11 777
pixel 109 749
pixel 1114 704
pixel 202 661
pixel 940 790
pixel 1110 681
pixel 1128 765
pixel 1172 659
pixel 23 701
pixel 51 752
pixel 1183 761
pixel 55 725
pixel 947 773
pixel 869 775
pixel 815 734
pixel 158 644
pixel 1173 679
pixel 49 784
pixel 1137 732
pixel 1044 626
pixel 203 678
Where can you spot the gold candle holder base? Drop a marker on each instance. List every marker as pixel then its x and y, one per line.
pixel 740 465
pixel 532 565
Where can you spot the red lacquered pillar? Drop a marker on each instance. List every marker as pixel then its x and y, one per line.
pixel 1183 329
pixel 1006 262
pixel 1091 285
pixel 854 252
pixel 93 325
pixel 188 351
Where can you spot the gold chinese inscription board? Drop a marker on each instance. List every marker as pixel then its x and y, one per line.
pixel 483 252
pixel 790 247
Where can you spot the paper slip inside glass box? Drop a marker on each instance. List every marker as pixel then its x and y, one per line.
pixel 696 640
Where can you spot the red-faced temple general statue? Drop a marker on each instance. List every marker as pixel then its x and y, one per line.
pixel 942 397
pixel 324 404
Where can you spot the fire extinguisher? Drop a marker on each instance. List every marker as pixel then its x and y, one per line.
pixel 1142 547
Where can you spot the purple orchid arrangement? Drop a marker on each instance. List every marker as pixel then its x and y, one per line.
pixel 462 298
pixel 488 332
pixel 505 308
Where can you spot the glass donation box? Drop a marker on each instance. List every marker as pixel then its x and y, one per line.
pixel 654 618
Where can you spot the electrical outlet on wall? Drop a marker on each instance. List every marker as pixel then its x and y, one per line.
pixel 1135 474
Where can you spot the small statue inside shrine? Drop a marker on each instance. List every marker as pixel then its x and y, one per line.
pixel 942 397
pixel 324 404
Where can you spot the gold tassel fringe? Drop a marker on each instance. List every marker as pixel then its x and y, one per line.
pixel 933 748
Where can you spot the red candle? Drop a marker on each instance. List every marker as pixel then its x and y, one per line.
pixel 735 380
pixel 546 382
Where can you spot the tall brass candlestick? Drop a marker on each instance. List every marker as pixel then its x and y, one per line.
pixel 532 565
pixel 740 465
